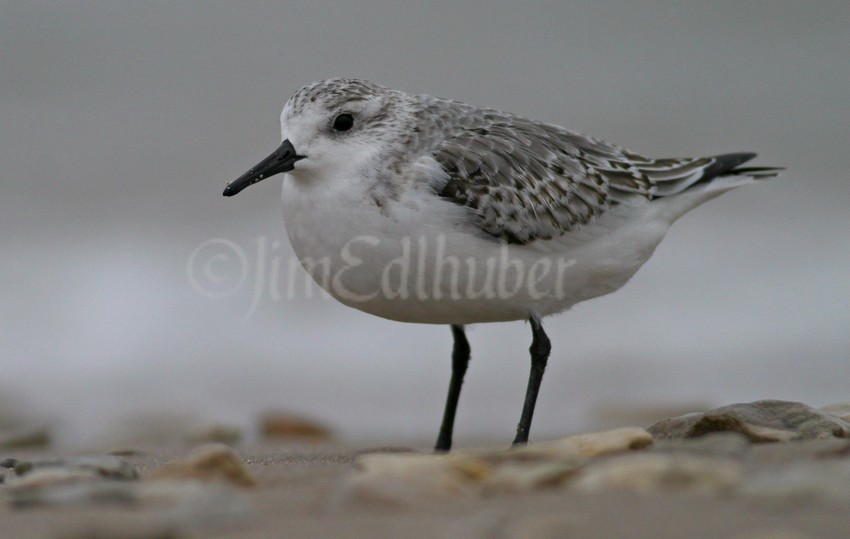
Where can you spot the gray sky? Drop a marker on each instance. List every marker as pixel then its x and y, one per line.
pixel 120 123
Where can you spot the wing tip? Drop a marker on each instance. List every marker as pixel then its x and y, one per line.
pixel 727 162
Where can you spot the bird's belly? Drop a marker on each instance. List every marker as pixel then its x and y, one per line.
pixel 407 268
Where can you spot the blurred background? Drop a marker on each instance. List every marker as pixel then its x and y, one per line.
pixel 130 286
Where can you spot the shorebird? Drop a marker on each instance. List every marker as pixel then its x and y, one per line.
pixel 421 209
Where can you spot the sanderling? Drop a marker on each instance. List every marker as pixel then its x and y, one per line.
pixel 421 209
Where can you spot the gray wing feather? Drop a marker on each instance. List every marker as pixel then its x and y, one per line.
pixel 528 181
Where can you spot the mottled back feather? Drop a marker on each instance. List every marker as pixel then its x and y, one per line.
pixel 528 180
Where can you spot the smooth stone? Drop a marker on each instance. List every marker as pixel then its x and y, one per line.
pixel 24 437
pixel 44 478
pixel 210 462
pixel 284 425
pixel 651 472
pixel 521 476
pixel 402 481
pixel 813 482
pixel 36 475
pixel 841 410
pixel 107 466
pixel 414 465
pixel 760 421
pixel 8 463
pixel 592 444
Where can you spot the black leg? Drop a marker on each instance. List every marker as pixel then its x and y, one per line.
pixel 540 348
pixel 460 360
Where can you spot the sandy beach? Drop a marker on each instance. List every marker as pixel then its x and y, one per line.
pixel 781 472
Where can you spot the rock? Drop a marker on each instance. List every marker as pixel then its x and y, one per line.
pixel 405 480
pixel 760 421
pixel 813 482
pixel 39 474
pixel 8 463
pixel 39 480
pixel 107 466
pixel 289 426
pixel 841 411
pixel 650 472
pixel 721 444
pixel 217 433
pixel 24 437
pixel 208 463
pixel 589 445
pixel 33 480
pixel 525 476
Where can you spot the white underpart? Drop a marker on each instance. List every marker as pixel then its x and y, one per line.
pixel 332 219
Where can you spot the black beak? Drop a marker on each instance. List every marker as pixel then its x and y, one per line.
pixel 281 160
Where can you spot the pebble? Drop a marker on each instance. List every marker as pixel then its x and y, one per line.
pixel 39 480
pixel 760 421
pixel 108 466
pixel 29 481
pixel 290 426
pixel 209 462
pixel 652 472
pixel 29 476
pixel 593 444
pixel 403 480
pixel 526 476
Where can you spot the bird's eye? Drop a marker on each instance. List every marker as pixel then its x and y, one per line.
pixel 343 122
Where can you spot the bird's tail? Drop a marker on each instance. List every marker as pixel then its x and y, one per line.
pixel 729 165
pixel 722 174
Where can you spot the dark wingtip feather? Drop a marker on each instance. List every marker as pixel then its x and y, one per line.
pixel 727 162
pixel 759 173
